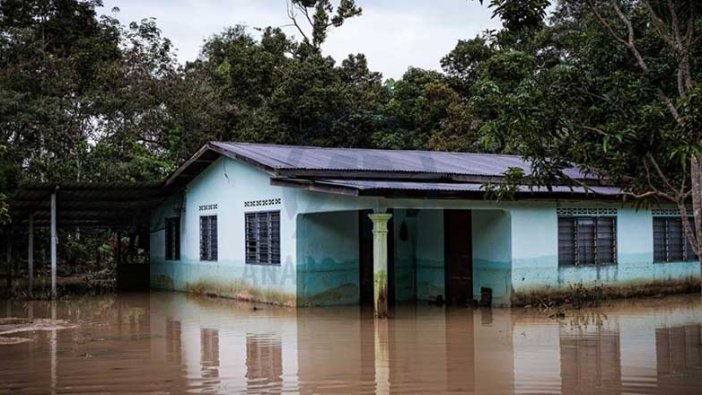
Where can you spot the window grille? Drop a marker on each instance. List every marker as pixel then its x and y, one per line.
pixel 208 238
pixel 263 238
pixel 670 243
pixel 587 240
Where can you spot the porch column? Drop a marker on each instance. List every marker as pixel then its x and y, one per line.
pixel 54 244
pixel 30 254
pixel 380 263
pixel 8 259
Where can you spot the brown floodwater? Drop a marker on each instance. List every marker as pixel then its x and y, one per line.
pixel 173 343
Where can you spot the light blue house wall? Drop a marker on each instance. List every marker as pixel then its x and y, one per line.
pixel 327 262
pixel 515 244
pixel 492 253
pixel 535 253
pixel 430 254
pixel 228 185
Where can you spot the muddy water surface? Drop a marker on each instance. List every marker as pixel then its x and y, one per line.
pixel 166 342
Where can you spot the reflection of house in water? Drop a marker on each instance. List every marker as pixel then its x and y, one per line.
pixel 173 347
pixel 679 352
pixel 264 362
pixel 209 357
pixel 429 349
pixel 591 359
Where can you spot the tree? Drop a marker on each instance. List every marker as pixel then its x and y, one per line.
pixel 464 64
pixel 50 55
pixel 320 16
pixel 521 19
pixel 617 94
pixel 424 112
pixel 82 97
pixel 674 26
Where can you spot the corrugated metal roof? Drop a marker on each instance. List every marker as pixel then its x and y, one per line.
pixel 380 186
pixel 122 204
pixel 285 157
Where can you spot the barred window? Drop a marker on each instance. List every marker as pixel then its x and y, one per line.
pixel 587 241
pixel 172 239
pixel 263 238
pixel 208 238
pixel 669 241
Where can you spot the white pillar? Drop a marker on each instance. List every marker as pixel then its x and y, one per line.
pixel 380 263
pixel 8 259
pixel 54 244
pixel 30 254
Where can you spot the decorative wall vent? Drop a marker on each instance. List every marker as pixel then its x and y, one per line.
pixel 207 207
pixel 263 202
pixel 669 212
pixel 580 211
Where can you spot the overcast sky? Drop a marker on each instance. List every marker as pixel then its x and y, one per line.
pixel 394 34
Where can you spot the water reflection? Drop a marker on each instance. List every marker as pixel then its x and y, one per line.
pixel 264 363
pixel 209 355
pixel 166 342
pixel 679 353
pixel 591 360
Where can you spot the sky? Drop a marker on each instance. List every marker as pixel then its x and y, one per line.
pixel 393 34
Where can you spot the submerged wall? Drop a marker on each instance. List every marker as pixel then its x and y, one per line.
pixel 226 189
pixel 328 259
pixel 430 255
pixel 492 254
pixel 515 245
pixel 535 268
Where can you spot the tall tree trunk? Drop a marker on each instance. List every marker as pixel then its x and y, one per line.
pixel 696 191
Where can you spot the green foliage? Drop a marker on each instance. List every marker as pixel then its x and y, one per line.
pixel 84 97
pixel 465 63
pixel 74 86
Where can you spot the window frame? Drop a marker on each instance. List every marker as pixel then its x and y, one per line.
pixel 686 252
pixel 208 238
pixel 595 239
pixel 253 251
pixel 172 239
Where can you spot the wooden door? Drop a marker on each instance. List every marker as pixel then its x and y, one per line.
pixel 458 256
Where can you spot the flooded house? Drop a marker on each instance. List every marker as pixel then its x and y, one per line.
pixel 308 226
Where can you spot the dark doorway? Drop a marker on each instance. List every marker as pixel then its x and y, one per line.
pixel 459 256
pixel 365 254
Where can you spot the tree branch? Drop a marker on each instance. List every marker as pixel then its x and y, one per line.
pixel 291 14
pixel 660 172
pixel 689 233
pixel 659 25
pixel 630 43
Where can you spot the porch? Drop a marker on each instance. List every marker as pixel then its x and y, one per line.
pixel 433 255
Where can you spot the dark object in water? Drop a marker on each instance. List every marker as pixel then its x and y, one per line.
pixel 438 301
pixel 559 315
pixel 485 297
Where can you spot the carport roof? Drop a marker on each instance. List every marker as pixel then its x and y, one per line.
pixel 113 204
